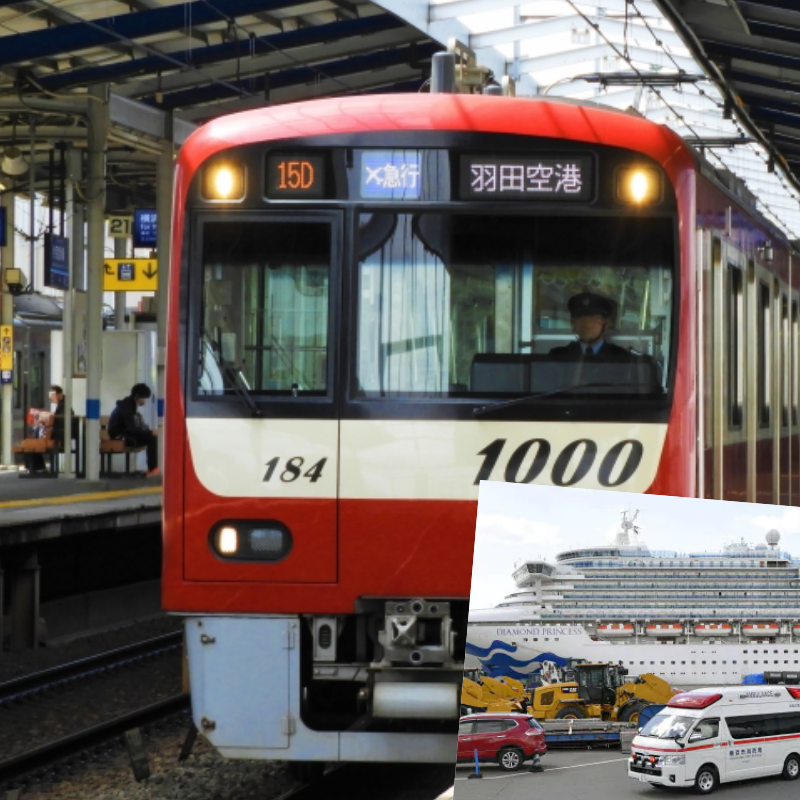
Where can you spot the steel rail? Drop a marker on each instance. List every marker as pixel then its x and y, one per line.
pixel 33 760
pixel 18 688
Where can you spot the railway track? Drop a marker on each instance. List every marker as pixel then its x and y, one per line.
pixel 39 682
pixel 381 781
pixel 85 703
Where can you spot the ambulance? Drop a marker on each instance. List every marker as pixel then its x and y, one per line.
pixel 706 737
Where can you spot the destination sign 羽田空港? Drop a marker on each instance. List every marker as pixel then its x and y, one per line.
pixel 510 178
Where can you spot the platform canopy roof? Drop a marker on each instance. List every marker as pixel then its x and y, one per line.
pixel 725 74
pixel 198 59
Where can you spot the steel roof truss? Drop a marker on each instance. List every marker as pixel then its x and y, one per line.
pixel 227 53
pixel 654 58
pixel 299 57
pixel 613 28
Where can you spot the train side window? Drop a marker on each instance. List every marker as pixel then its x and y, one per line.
pixel 785 362
pixel 764 354
pixel 735 322
pixel 795 344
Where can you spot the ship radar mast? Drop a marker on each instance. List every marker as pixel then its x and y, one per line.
pixel 623 538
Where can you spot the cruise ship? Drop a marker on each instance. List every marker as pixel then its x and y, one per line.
pixel 692 618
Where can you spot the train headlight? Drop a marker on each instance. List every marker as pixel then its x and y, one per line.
pixel 228 540
pixel 638 185
pixel 223 180
pixel 251 540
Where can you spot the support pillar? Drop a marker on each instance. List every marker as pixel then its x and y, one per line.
pixel 3 612
pixel 24 582
pixel 74 212
pixel 120 251
pixel 7 318
pixel 99 122
pixel 164 182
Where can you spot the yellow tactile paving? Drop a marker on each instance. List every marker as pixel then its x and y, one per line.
pixel 80 498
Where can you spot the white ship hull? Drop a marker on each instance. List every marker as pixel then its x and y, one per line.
pixel 517 649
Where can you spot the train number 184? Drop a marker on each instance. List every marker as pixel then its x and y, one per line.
pixel 570 466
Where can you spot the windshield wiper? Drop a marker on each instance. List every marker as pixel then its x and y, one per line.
pixel 234 377
pixel 533 398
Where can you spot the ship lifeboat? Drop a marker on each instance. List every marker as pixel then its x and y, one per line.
pixel 796 630
pixel 615 629
pixel 665 629
pixel 715 629
pixel 760 629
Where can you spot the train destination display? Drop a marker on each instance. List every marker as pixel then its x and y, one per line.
pixel 295 176
pixel 512 178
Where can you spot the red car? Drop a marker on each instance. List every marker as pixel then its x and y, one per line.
pixel 509 739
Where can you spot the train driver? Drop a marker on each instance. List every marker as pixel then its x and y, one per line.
pixel 591 315
pixel 592 353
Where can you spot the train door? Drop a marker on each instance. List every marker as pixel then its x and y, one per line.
pixel 761 367
pixel 262 419
pixel 783 382
pixel 724 377
pixel 794 396
pixel 709 342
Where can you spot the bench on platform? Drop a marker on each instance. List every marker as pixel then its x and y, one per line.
pixel 110 447
pixel 39 444
pixel 47 444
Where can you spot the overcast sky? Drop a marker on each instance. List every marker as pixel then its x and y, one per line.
pixel 517 522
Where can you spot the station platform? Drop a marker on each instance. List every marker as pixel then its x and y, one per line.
pixel 45 520
pixel 40 508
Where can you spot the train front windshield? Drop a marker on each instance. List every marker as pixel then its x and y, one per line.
pixel 476 306
pixel 445 306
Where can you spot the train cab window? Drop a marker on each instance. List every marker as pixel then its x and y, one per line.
pixel 265 308
pixel 465 305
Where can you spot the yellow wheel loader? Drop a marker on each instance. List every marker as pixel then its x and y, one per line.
pixel 482 693
pixel 600 691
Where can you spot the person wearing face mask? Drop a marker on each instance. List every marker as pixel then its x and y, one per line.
pixel 126 422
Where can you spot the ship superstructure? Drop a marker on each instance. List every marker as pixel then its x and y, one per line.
pixel 690 617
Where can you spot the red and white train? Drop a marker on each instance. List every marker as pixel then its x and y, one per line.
pixel 364 295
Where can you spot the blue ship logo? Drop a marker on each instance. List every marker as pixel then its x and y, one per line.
pixel 497 660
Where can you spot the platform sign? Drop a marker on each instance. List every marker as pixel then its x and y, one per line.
pixel 56 261
pixel 6 348
pixel 145 227
pixel 130 275
pixel 120 226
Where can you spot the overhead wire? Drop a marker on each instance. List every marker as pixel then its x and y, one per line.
pixel 791 190
pixel 179 64
pixel 654 89
pixel 256 37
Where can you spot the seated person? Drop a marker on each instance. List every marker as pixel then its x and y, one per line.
pixel 34 462
pixel 128 424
